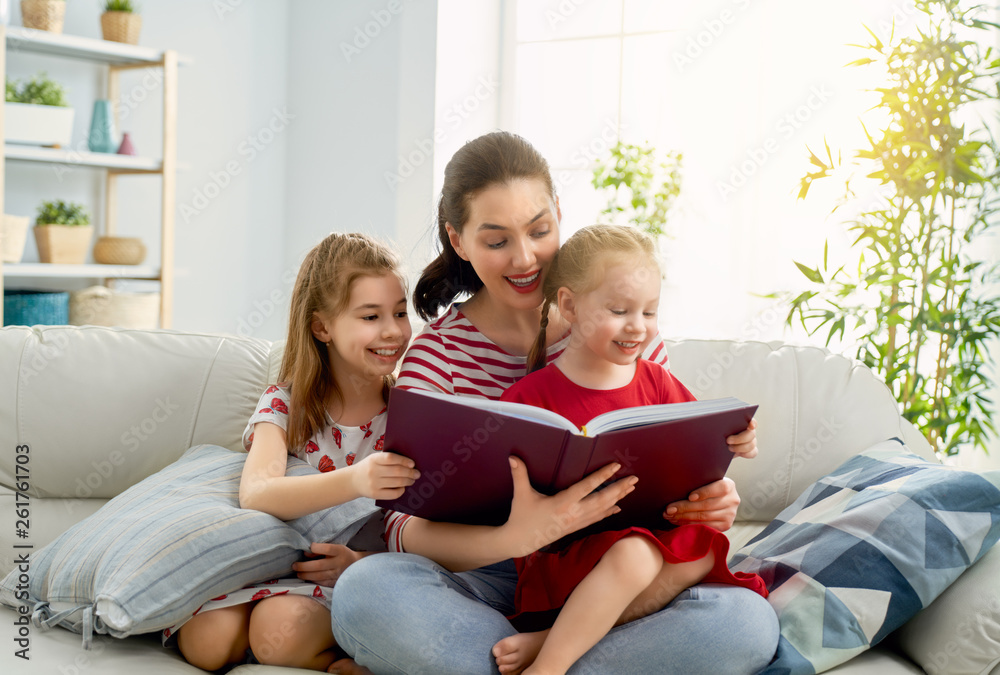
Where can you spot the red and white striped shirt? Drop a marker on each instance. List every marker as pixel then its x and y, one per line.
pixel 451 355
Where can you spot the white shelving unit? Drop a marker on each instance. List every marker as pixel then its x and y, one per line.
pixel 116 57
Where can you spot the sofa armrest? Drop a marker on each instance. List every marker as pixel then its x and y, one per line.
pixel 959 633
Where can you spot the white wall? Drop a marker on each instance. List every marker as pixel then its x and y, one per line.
pixel 288 136
pixel 467 101
pixel 361 80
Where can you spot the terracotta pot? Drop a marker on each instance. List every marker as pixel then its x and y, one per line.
pixel 121 27
pixel 44 14
pixel 63 244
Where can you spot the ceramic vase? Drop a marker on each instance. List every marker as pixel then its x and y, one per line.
pixel 126 148
pixel 102 128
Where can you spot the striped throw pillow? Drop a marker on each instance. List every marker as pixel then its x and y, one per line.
pixel 156 552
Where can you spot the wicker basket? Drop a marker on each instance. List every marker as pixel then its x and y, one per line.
pixel 100 306
pixel 119 251
pixel 13 233
pixel 121 27
pixel 43 14
pixel 35 308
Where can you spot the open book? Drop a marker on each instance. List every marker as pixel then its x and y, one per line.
pixel 461 444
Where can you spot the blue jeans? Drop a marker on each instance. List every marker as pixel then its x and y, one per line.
pixel 402 613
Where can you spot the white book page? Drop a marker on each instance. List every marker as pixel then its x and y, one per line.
pixel 647 414
pixel 520 410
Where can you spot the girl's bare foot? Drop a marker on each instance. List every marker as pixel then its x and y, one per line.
pixel 515 653
pixel 347 667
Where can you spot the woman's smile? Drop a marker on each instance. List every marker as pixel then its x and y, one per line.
pixel 525 283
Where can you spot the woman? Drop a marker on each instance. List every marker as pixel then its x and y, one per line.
pixel 440 606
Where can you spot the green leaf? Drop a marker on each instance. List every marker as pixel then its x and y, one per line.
pixel 812 274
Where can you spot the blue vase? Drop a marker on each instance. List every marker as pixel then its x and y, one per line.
pixel 102 128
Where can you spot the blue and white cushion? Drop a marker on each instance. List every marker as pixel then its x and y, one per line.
pixel 865 548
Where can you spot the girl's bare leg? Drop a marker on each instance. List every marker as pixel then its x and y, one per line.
pixel 217 638
pixel 630 581
pixel 294 631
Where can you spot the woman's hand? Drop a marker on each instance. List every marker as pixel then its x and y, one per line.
pixel 329 562
pixel 744 444
pixel 713 505
pixel 383 475
pixel 537 520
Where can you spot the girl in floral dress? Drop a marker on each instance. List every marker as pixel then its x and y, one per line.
pixel 347 328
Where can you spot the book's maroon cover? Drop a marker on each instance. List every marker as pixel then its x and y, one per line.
pixel 461 453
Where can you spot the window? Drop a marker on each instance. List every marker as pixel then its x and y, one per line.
pixel 740 88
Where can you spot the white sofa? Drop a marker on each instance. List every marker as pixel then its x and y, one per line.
pixel 101 409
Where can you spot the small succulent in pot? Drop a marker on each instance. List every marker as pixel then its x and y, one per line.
pixel 60 213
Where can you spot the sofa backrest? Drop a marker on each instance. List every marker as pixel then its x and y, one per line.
pixel 817 409
pixel 103 408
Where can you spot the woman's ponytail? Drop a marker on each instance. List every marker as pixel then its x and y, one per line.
pixel 445 278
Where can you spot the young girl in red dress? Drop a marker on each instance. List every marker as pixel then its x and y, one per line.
pixel 347 328
pixel 605 281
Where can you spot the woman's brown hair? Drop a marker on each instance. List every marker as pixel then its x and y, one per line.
pixel 493 159
pixel 323 287
pixel 580 263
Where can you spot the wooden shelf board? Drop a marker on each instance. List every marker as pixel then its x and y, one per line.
pixel 88 271
pixel 101 160
pixel 77 47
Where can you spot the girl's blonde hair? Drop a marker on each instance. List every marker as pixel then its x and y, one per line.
pixel 323 287
pixel 580 263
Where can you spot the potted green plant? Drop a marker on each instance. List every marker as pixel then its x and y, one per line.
pixel 640 184
pixel 917 295
pixel 62 233
pixel 37 112
pixel 44 14
pixel 121 21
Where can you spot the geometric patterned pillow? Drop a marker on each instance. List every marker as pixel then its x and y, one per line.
pixel 865 548
pixel 156 552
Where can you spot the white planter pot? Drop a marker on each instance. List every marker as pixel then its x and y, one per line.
pixel 37 124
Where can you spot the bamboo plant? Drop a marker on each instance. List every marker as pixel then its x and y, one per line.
pixel 920 300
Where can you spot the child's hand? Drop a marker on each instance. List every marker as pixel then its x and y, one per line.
pixel 329 562
pixel 714 505
pixel 744 444
pixel 383 475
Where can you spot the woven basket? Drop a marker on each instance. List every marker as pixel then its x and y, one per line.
pixel 43 14
pixel 121 27
pixel 35 308
pixel 13 234
pixel 119 251
pixel 100 306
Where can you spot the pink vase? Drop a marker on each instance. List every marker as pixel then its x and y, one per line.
pixel 126 148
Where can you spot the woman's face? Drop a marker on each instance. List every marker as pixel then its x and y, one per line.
pixel 510 238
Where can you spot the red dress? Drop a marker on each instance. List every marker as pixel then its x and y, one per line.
pixel 546 578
